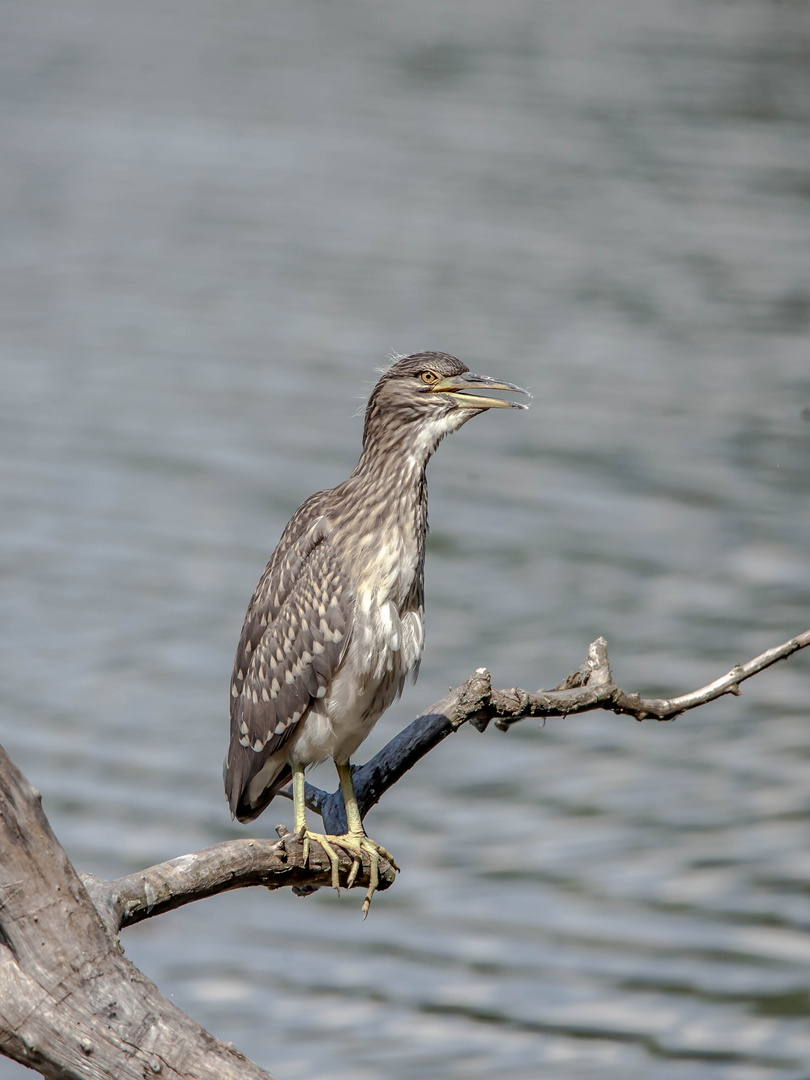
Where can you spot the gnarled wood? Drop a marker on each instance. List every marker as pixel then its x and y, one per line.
pixel 71 1005
pixel 590 687
pixel 233 864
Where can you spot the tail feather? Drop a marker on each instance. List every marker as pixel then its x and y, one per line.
pixel 250 790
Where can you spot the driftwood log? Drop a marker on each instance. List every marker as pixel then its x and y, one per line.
pixel 72 1006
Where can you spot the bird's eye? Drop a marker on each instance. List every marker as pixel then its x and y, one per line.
pixel 429 377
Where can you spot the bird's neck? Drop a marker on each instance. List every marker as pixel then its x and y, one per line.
pixel 401 454
pixel 392 486
pixel 395 461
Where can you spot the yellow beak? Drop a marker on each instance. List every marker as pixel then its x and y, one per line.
pixel 456 387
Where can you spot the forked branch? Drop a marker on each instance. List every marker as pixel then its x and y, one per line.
pixel 591 687
pixel 275 864
pixel 71 1005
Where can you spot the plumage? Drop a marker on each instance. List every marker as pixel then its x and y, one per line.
pixel 336 623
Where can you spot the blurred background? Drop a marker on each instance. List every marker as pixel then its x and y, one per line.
pixel 218 219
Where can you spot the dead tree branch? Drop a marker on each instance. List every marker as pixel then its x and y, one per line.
pixel 591 687
pixel 71 1006
pixel 233 864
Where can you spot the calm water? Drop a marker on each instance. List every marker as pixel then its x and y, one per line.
pixel 218 218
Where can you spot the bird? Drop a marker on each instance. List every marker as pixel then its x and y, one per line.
pixel 336 622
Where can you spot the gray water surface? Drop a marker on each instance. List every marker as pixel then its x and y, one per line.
pixel 218 219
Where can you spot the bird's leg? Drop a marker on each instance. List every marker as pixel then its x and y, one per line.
pixel 299 803
pixel 353 819
pixel 300 825
pixel 356 841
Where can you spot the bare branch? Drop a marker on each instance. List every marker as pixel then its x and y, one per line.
pixel 70 1002
pixel 233 864
pixel 668 709
pixel 592 687
pixel 275 864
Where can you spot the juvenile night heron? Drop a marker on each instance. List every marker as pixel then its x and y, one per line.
pixel 336 621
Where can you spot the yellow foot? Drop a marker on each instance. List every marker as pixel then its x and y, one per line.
pixel 353 844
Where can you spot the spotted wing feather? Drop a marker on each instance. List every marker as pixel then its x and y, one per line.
pixel 295 633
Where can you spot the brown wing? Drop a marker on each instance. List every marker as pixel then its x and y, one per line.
pixel 293 639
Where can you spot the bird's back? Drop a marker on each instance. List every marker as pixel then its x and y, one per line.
pixel 333 629
pixel 336 622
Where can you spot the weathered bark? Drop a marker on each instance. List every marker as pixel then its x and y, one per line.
pixel 233 864
pixel 591 687
pixel 71 1005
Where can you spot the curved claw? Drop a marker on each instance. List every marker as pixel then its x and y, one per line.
pixel 326 843
pixel 354 846
pixel 374 876
pixel 385 853
pixel 350 880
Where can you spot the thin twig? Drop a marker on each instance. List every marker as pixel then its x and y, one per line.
pixel 591 687
pixel 238 863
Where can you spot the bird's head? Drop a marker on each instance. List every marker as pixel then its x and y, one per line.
pixel 421 398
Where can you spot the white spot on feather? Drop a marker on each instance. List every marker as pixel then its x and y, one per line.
pixel 391 625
